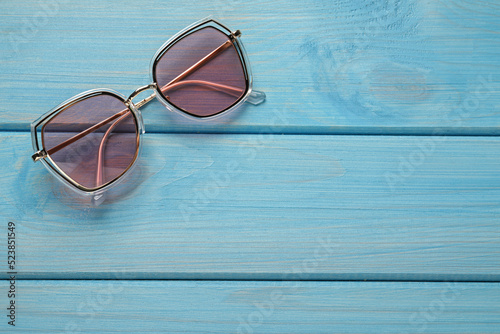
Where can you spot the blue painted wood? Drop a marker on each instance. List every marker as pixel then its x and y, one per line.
pixel 359 67
pixel 268 207
pixel 255 307
pixel 247 204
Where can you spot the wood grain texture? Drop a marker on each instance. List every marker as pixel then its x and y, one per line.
pixel 311 188
pixel 256 307
pixel 268 207
pixel 356 67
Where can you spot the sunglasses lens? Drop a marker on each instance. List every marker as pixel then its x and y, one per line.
pixel 202 73
pixel 94 141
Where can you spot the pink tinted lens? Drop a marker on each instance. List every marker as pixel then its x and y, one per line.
pixel 93 141
pixel 202 73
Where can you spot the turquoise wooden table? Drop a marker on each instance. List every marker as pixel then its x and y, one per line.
pixel 362 197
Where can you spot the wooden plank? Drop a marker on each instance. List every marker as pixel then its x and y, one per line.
pixel 350 67
pixel 255 307
pixel 268 207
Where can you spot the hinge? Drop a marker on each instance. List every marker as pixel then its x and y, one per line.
pixel 236 34
pixel 39 155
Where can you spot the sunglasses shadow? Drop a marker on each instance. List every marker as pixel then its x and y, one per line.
pixel 173 121
pixel 119 192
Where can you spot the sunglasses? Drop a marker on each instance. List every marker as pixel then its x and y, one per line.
pixel 92 140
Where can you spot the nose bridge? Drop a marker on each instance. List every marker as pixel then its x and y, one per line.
pixel 140 90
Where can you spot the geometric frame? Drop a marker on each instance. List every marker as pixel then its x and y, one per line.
pixel 249 95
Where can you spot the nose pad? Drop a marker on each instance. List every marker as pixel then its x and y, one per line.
pixel 142 127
